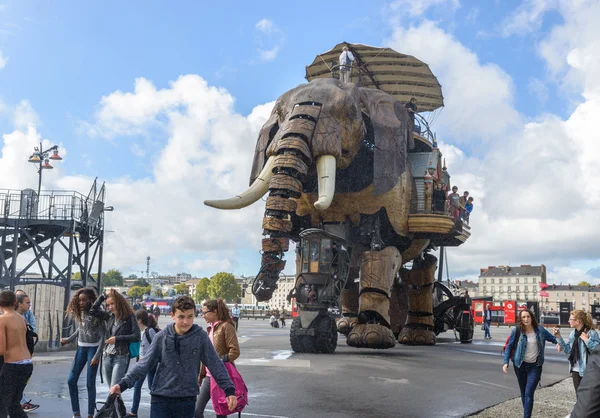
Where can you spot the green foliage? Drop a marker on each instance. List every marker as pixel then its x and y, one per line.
pixel 112 278
pixel 132 276
pixel 583 283
pixel 202 289
pixel 181 289
pixel 140 282
pixel 223 285
pixel 76 276
pixel 138 292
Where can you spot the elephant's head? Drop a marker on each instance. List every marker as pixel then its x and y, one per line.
pixel 318 129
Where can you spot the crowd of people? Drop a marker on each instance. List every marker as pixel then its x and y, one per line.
pixel 460 207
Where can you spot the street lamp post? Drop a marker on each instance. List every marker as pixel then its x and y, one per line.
pixel 41 158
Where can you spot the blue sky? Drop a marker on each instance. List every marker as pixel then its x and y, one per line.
pixel 62 58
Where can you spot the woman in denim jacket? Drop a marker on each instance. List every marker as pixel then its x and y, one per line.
pixel 582 340
pixel 528 356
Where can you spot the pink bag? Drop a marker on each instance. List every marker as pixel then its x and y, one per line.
pixel 219 400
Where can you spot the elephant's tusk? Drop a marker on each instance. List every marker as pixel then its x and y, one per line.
pixel 326 176
pixel 259 187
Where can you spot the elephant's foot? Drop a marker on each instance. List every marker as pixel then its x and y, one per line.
pixel 416 336
pixel 346 323
pixel 371 336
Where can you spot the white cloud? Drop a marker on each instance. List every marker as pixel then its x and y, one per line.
pixel 418 8
pixel 215 265
pixel 3 60
pixel 527 17
pixel 271 40
pixel 478 97
pixel 569 275
pixel 265 25
pixel 24 115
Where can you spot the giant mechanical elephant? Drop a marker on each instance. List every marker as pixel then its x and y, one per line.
pixel 333 156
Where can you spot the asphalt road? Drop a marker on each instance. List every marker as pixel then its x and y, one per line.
pixel 446 380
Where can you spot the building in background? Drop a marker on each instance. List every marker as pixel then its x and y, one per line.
pixel 279 300
pixel 581 297
pixel 512 283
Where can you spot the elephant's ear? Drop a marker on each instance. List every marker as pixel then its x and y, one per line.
pixel 393 137
pixel 267 133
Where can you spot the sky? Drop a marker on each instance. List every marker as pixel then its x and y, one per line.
pixel 163 101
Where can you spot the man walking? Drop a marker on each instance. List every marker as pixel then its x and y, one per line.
pixel 23 307
pixel 17 367
pixel 487 322
pixel 235 314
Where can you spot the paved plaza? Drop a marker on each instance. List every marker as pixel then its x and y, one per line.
pixel 447 380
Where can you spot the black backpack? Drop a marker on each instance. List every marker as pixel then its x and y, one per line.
pixel 31 338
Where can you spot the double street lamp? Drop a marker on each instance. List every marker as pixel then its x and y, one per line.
pixel 41 158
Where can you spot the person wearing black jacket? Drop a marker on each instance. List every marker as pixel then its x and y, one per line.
pixel 588 393
pixel 122 329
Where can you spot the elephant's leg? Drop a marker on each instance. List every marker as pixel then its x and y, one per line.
pixel 349 299
pixel 398 307
pixel 378 270
pixel 419 281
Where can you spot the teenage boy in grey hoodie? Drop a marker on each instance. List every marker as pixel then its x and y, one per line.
pixel 179 350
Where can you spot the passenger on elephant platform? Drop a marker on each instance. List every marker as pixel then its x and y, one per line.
pixel 468 210
pixel 463 201
pixel 454 199
pixel 411 106
pixel 439 197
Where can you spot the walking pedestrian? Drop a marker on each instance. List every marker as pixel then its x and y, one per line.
pixel 282 320
pixel 149 328
pixel 24 308
pixel 528 356
pixel 582 340
pixel 156 313
pixel 122 329
pixel 221 332
pixel 90 341
pixel 235 315
pixel 177 353
pixel 487 322
pixel 588 394
pixel 17 367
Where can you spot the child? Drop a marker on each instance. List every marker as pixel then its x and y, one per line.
pixel 468 209
pixel 178 350
pixel 149 328
pixel 17 367
pixel 90 340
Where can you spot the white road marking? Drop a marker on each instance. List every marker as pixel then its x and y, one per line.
pixel 388 380
pixel 496 384
pixel 273 363
pixel 282 355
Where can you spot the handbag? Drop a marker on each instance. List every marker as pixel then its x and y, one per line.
pixel 134 349
pixel 217 395
pixel 112 408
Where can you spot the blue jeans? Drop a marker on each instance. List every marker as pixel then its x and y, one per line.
pixel 137 391
pixel 163 407
pixel 528 376
pixel 486 328
pixel 114 368
pixel 83 356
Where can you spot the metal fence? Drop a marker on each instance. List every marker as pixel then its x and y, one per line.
pixel 49 205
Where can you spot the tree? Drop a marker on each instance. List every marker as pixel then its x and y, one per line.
pixel 76 276
pixel 202 289
pixel 584 283
pixel 140 282
pixel 138 292
pixel 181 289
pixel 132 276
pixel 158 293
pixel 223 285
pixel 112 278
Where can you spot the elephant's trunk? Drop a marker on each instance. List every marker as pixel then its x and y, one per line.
pixel 293 157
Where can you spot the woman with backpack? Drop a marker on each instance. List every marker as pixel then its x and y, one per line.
pixel 149 328
pixel 90 341
pixel 221 331
pixel 526 346
pixel 122 330
pixel 582 340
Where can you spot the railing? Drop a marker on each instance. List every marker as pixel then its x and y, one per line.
pixel 50 205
